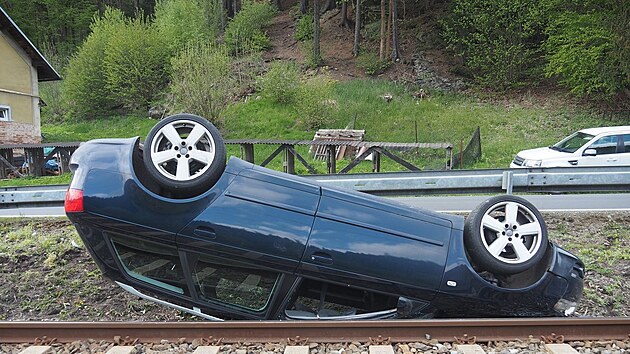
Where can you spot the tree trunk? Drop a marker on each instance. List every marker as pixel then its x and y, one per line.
pixel 222 8
pixel 330 5
pixel 357 29
pixel 229 8
pixel 388 37
pixel 381 49
pixel 344 15
pixel 303 6
pixel 276 3
pixel 395 42
pixel 316 32
pixel 237 6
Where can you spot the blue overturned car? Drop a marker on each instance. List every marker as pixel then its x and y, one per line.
pixel 170 221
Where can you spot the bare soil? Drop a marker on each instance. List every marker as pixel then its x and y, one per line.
pixel 54 278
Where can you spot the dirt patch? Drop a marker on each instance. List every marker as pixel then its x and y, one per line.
pixel 335 45
pixel 46 273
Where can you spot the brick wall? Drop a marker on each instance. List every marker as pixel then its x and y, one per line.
pixel 19 133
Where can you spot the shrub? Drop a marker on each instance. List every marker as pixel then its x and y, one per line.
pixel 135 63
pixel 584 52
pixel 281 82
pixel 370 63
pixel 314 104
pixel 201 82
pixel 244 33
pixel 310 60
pixel 85 84
pixel 51 92
pixel 304 30
pixel 499 40
pixel 182 21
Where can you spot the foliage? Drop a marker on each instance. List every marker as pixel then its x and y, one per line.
pixel 370 63
pixel 201 82
pixel 244 33
pixel 60 24
pixel 180 22
pixel 586 53
pixel 214 13
pixel 122 63
pixel 498 39
pixel 51 92
pixel 307 49
pixel 85 85
pixel 135 63
pixel 372 30
pixel 314 103
pixel 304 30
pixel 281 82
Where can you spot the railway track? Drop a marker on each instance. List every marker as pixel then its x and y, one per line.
pixel 482 330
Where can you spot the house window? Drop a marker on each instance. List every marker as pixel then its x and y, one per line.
pixel 5 113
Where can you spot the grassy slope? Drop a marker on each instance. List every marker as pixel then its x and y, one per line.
pixel 506 127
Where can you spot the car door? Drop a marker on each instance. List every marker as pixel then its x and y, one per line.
pixel 624 153
pixel 364 242
pixel 606 148
pixel 263 217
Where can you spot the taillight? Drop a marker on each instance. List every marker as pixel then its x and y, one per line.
pixel 74 201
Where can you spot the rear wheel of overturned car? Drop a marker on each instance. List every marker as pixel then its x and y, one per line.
pixel 184 154
pixel 505 235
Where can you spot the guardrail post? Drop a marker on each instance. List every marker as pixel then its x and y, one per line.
pixel 507 183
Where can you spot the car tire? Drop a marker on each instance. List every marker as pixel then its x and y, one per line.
pixel 184 154
pixel 505 235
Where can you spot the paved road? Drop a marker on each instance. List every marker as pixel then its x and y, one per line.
pixel 549 203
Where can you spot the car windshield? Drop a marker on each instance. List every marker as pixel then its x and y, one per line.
pixel 572 142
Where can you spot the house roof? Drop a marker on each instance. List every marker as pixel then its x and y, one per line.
pixel 45 71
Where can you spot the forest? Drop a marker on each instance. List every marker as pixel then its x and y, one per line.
pixel 125 56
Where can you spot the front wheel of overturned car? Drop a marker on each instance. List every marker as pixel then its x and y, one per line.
pixel 505 235
pixel 184 154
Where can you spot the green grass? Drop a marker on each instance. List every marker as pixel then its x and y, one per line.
pixel 32 181
pixel 114 127
pixel 506 126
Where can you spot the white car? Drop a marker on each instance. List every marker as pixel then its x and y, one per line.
pixel 607 146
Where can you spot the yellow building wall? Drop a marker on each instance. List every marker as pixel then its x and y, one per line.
pixel 16 75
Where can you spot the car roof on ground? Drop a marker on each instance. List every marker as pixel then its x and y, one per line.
pixel 601 130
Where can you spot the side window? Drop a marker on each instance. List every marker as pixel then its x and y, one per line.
pixel 316 299
pixel 234 284
pixel 626 143
pixel 605 145
pixel 155 264
pixel 5 113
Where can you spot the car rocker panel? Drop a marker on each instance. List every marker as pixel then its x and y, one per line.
pixel 260 244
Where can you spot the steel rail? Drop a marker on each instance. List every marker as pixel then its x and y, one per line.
pixel 397 331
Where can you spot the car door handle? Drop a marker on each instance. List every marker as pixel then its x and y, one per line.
pixel 206 232
pixel 611 160
pixel 573 162
pixel 322 258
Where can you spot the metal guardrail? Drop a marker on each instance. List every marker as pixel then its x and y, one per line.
pixel 13 196
pixel 557 179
